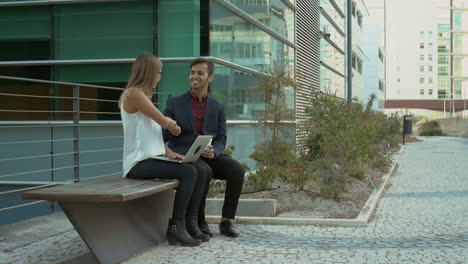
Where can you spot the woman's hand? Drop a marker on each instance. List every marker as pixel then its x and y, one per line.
pixel 172 127
pixel 173 155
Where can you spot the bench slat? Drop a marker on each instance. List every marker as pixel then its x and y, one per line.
pixel 108 189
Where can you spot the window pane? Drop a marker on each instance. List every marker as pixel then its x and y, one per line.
pixel 460 44
pixel 103 30
pixel 234 89
pixel 25 22
pixel 460 66
pixel 331 11
pixel 24 33
pixel 336 37
pixel 239 41
pixel 103 107
pixel 16 97
pixel 331 83
pixel 332 57
pixel 93 73
pixel 178 26
pixel 273 14
pixel 24 49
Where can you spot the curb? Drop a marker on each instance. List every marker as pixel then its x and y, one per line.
pixel 402 149
pixel 360 221
pixel 246 207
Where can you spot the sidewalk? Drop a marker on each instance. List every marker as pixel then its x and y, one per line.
pixel 422 218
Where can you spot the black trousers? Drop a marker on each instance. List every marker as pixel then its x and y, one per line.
pixel 192 182
pixel 230 170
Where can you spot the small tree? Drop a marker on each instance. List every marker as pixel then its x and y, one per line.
pixel 277 149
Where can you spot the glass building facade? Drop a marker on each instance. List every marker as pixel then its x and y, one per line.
pixel 95 43
pixel 332 48
pixel 460 49
pixel 452 51
pixel 244 42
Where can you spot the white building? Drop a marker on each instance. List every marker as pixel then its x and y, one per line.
pixel 374 48
pixel 359 56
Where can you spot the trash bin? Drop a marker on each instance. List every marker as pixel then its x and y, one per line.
pixel 408 126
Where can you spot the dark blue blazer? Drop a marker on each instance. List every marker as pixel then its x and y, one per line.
pixel 179 108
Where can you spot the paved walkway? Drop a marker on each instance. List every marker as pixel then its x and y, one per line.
pixel 422 218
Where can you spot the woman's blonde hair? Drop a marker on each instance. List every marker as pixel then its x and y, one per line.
pixel 143 74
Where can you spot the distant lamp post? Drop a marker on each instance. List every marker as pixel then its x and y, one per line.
pixel 407 126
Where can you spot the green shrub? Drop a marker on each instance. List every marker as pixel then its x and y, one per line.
pixel 332 190
pixel 342 139
pixel 429 125
pixel 347 136
pixel 430 128
pixel 431 132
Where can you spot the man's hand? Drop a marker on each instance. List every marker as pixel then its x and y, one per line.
pixel 209 152
pixel 172 127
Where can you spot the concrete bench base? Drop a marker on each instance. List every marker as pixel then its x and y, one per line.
pixel 246 207
pixel 116 231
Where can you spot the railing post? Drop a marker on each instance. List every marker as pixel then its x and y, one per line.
pixel 76 132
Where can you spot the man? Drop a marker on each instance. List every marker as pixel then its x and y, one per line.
pixel 198 113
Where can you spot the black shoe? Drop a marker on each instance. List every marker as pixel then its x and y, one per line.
pixel 205 228
pixel 226 228
pixel 177 234
pixel 191 223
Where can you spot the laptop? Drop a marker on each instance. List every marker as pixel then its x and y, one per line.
pixel 194 152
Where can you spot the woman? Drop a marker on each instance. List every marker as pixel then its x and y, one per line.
pixel 142 124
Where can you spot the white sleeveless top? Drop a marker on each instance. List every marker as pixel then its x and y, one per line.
pixel 142 139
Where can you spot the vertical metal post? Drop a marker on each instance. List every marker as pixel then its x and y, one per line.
pixel 452 110
pixel 404 126
pixel 386 51
pixel 349 20
pixel 444 108
pixel 76 132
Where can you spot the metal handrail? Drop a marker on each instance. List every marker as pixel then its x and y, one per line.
pixel 75 123
pixel 21 205
pixel 36 171
pixel 60 154
pixel 32 124
pixel 127 61
pixel 100 163
pixel 59 97
pixel 36 141
pixel 56 82
pixel 100 150
pixel 38 156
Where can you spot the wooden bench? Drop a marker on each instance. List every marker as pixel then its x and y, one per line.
pixel 115 217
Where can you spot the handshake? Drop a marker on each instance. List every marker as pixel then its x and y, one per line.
pixel 172 127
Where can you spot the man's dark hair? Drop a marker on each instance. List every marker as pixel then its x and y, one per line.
pixel 210 65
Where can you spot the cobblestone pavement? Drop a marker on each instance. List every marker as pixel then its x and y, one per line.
pixel 422 218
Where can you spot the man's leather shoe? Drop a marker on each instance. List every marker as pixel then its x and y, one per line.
pixel 205 228
pixel 226 228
